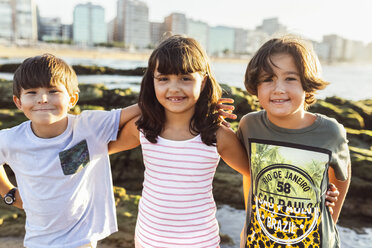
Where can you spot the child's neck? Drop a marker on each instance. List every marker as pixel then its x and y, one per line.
pixel 177 127
pixel 51 130
pixel 304 120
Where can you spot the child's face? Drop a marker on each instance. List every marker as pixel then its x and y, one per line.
pixel 281 94
pixel 178 93
pixel 45 106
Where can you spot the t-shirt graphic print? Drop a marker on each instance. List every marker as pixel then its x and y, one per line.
pixel 289 183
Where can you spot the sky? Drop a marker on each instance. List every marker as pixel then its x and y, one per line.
pixel 350 19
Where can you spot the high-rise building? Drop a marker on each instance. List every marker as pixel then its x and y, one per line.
pixel 50 29
pixel 199 31
pixel 66 32
pixel 176 23
pixel 322 50
pixel 133 26
pixel 6 20
pixel 336 45
pixel 89 25
pixel 256 38
pixel 157 30
pixel 353 50
pixel 18 20
pixel 241 41
pixel 272 26
pixel 112 31
pixel 25 20
pixel 221 40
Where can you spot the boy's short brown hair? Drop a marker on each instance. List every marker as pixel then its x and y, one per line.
pixel 44 71
pixel 305 60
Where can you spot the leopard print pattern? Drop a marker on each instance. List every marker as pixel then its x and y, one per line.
pixel 283 229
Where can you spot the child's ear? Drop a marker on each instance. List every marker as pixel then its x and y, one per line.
pixel 17 102
pixel 73 99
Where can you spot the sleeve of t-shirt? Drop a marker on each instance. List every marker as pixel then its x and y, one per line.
pixel 240 132
pixel 341 156
pixel 2 146
pixel 103 124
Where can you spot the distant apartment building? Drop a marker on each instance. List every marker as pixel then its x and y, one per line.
pixel 199 31
pixel 369 51
pixel 157 30
pixel 353 50
pixel 255 39
pixel 133 26
pixel 336 45
pixel 6 20
pixel 271 26
pixel 241 41
pixel 322 50
pixel 18 20
pixel 66 32
pixel 89 25
pixel 176 23
pixel 221 40
pixel 112 31
pixel 50 29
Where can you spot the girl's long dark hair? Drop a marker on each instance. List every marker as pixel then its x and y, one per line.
pixel 179 55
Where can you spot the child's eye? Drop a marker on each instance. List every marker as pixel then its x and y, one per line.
pixel 186 78
pixel 31 92
pixel 53 91
pixel 161 79
pixel 291 78
pixel 268 79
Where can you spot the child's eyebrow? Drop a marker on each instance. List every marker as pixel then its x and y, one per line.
pixel 292 73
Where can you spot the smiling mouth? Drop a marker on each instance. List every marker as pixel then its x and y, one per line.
pixel 176 98
pixel 279 101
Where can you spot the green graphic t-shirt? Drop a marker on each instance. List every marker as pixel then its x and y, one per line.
pixel 289 178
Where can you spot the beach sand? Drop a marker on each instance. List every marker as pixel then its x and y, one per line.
pixel 17 242
pixel 12 242
pixel 65 51
pixel 13 51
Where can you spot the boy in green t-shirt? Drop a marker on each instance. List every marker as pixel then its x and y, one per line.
pixel 293 153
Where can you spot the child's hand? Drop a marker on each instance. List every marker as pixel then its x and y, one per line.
pixel 331 197
pixel 225 111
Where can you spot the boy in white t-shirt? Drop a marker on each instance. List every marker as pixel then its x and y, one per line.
pixel 60 161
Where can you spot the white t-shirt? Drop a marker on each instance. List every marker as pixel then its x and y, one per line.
pixel 65 182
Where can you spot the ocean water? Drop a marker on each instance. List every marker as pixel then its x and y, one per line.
pixel 232 221
pixel 349 81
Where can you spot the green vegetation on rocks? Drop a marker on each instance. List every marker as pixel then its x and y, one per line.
pixel 128 169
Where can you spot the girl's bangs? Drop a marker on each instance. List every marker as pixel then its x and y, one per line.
pixel 179 62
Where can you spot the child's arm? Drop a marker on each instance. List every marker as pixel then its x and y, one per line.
pixel 232 151
pixel 128 113
pixel 6 186
pixel 342 187
pixel 128 138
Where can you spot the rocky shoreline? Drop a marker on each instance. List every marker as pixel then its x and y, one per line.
pixel 355 116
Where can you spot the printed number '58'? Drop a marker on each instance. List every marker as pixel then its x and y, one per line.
pixel 284 187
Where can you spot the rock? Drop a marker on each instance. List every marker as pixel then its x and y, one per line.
pixel 86 70
pixel 347 116
pixel 128 169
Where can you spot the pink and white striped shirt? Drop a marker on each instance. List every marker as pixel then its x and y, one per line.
pixel 177 208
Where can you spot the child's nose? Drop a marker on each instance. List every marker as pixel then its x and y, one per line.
pixel 43 98
pixel 174 85
pixel 279 86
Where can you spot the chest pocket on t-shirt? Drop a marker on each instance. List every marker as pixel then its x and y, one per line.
pixel 74 159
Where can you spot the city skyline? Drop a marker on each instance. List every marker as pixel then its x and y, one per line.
pixel 344 18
